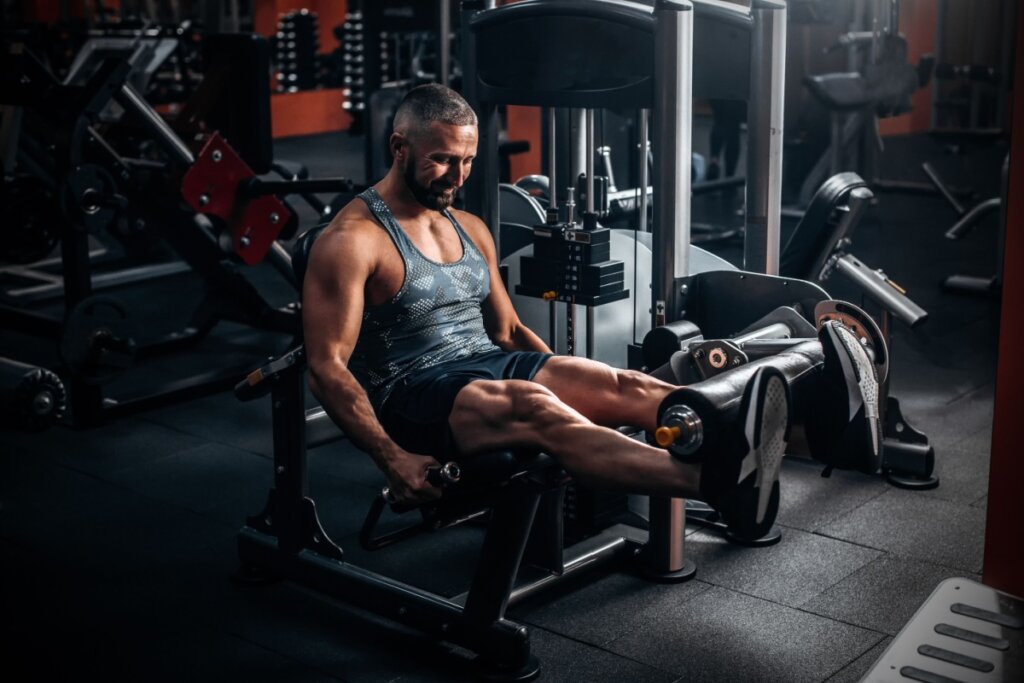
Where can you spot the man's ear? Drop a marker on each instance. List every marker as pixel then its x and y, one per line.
pixel 398 145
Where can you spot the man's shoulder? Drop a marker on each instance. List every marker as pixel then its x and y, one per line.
pixel 354 221
pixel 353 235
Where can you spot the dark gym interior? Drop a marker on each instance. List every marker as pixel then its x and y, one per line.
pixel 159 517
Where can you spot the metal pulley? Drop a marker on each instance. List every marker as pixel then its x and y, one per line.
pixel 97 344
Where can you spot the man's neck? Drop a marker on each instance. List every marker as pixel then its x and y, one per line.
pixel 393 189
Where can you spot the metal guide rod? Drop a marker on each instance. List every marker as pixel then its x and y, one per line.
pixel 570 320
pixel 764 138
pixel 444 41
pixel 589 125
pixel 553 325
pixel 131 100
pixel 642 161
pixel 590 331
pixel 894 17
pixel 673 107
pixel 577 145
pixel 606 167
pixel 552 180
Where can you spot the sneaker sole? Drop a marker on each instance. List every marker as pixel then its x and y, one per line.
pixel 766 429
pixel 858 370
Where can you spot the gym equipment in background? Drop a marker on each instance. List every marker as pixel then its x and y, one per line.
pixel 185 192
pixel 856 100
pixel 31 398
pixel 969 219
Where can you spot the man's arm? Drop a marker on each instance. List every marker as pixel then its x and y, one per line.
pixel 340 265
pixel 501 321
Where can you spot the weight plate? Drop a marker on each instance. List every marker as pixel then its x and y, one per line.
pixel 862 325
pixel 96 344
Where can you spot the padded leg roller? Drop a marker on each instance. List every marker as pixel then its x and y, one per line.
pixel 737 431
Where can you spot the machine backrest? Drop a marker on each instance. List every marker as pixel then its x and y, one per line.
pixel 300 252
pixel 234 97
pixel 816 233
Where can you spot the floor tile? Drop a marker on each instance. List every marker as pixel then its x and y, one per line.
pixel 910 525
pixel 721 635
pixel 884 595
pixel 791 572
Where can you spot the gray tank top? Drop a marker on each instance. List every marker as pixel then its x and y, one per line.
pixel 434 318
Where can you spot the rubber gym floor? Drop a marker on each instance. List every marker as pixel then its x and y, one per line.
pixel 117 542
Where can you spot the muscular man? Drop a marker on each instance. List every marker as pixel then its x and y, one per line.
pixel 416 351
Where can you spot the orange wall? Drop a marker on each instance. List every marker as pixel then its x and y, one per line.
pixel 1003 567
pixel 917 23
pixel 308 112
pixel 524 124
pixel 312 111
pixel 48 11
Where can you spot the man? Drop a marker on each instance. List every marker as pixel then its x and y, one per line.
pixel 416 351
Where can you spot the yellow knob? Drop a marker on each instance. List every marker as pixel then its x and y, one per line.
pixel 548 296
pixel 666 436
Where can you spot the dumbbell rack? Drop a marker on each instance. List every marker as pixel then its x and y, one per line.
pixel 297 51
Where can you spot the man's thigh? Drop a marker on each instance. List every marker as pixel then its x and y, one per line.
pixel 604 394
pixel 579 382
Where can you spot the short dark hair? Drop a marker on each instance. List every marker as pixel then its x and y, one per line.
pixel 432 102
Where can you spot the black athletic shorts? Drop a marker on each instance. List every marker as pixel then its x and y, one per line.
pixel 415 414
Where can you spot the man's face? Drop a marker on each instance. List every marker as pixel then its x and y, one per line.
pixel 437 162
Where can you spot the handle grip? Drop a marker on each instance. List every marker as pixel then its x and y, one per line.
pixel 442 477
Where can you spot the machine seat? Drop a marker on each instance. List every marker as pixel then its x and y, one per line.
pixel 840 91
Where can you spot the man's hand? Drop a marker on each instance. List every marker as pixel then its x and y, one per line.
pixel 407 478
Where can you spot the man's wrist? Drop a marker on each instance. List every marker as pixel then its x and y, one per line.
pixel 386 453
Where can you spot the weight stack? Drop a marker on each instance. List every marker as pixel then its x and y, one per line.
pixel 297 51
pixel 31 398
pixel 572 265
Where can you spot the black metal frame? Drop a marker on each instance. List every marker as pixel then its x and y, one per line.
pixel 152 188
pixel 522 553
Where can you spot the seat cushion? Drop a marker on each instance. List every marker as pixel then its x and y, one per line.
pixel 839 91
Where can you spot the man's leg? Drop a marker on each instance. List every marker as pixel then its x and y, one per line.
pixel 489 415
pixel 605 395
pixel 738 476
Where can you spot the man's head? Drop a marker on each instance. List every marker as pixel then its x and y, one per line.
pixel 434 143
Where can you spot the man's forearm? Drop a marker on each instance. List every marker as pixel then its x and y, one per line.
pixel 524 339
pixel 346 402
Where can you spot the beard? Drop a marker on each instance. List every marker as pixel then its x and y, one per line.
pixel 432 196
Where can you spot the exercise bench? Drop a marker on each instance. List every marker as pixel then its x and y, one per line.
pixel 523 548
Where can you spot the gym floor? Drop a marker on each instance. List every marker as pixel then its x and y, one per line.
pixel 117 543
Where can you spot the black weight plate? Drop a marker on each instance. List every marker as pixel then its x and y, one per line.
pixel 96 344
